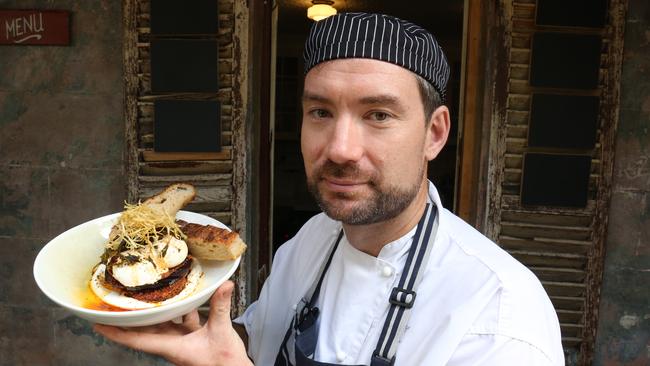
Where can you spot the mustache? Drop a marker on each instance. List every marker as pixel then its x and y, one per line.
pixel 332 169
pixel 339 170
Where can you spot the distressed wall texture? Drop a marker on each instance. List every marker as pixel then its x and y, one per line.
pixel 624 324
pixel 61 163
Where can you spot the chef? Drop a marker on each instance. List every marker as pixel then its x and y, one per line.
pixel 385 275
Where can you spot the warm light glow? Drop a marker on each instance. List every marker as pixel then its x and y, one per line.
pixel 320 11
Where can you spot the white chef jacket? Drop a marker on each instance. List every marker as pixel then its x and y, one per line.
pixel 476 305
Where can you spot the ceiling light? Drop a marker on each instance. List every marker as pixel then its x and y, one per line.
pixel 320 9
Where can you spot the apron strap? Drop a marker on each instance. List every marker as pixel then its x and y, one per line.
pixel 401 299
pixel 403 296
pixel 309 313
pixel 282 359
pixel 315 290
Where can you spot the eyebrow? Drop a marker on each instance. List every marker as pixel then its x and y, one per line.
pixel 379 99
pixel 307 96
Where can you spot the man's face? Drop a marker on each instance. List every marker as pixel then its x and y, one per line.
pixel 365 141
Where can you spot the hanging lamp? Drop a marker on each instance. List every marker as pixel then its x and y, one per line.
pixel 320 9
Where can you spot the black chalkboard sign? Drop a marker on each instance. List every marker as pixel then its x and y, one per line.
pixel 572 13
pixel 565 60
pixel 180 18
pixel 187 126
pixel 563 121
pixel 184 65
pixel 555 180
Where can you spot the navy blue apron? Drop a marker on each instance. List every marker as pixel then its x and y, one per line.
pixel 402 297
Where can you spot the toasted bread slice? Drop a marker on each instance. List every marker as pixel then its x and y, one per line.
pixel 211 242
pixel 172 199
pixel 169 201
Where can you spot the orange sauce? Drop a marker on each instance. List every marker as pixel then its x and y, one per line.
pixel 90 301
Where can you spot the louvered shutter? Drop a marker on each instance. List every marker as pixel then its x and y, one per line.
pixel 562 245
pixel 220 177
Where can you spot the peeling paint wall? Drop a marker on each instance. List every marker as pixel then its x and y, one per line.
pixel 624 325
pixel 61 163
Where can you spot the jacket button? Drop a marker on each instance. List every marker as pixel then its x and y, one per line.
pixel 340 356
pixel 387 271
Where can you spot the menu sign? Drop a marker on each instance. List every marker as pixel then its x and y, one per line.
pixel 34 27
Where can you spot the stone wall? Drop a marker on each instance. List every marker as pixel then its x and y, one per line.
pixel 61 163
pixel 624 323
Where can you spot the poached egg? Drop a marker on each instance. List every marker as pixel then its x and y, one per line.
pixel 138 267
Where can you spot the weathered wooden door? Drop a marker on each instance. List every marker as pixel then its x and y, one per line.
pixel 541 110
pixel 221 178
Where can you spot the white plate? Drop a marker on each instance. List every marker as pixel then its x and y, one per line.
pixel 63 267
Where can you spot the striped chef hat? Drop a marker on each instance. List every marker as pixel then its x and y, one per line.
pixel 380 37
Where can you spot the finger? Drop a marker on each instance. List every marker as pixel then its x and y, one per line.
pixel 220 306
pixel 192 321
pixel 159 344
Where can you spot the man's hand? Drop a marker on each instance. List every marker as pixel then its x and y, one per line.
pixel 189 343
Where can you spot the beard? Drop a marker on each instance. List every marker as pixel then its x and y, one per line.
pixel 384 203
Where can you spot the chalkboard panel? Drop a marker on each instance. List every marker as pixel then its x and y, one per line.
pixel 184 66
pixel 191 17
pixel 187 126
pixel 563 121
pixel 555 180
pixel 572 13
pixel 565 60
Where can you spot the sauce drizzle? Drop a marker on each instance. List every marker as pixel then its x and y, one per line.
pixel 92 302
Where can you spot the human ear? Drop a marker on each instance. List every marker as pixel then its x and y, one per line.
pixel 437 132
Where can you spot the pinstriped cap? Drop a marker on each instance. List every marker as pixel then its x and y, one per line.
pixel 380 37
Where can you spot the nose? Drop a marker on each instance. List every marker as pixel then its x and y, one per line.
pixel 346 141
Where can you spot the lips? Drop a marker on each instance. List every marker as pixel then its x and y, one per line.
pixel 342 180
pixel 342 185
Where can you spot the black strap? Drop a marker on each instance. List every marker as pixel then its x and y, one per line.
pixel 403 296
pixel 282 359
pixel 316 292
pixel 309 313
pixel 401 299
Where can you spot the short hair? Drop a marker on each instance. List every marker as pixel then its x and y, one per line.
pixel 431 99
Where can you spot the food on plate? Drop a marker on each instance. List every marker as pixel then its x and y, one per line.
pixel 161 207
pixel 211 242
pixel 152 259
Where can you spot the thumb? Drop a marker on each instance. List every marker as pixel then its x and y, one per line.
pixel 220 306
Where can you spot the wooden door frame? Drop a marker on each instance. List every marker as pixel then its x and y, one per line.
pixel 261 140
pixel 483 99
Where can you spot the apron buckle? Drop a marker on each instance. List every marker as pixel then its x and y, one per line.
pixel 379 360
pixel 402 297
pixel 307 318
